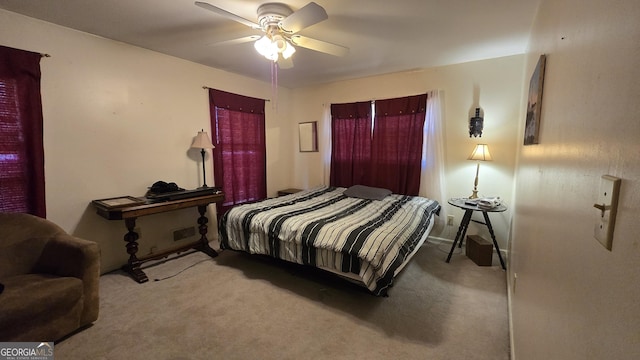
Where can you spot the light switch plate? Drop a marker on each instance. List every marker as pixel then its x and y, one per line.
pixel 607 207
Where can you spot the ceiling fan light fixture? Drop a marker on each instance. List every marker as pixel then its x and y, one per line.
pixel 280 26
pixel 265 47
pixel 279 42
pixel 288 50
pixel 270 47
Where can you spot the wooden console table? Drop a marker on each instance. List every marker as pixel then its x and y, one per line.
pixel 129 213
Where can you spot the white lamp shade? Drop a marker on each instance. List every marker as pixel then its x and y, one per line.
pixel 481 152
pixel 271 47
pixel 202 141
pixel 279 43
pixel 288 50
pixel 266 48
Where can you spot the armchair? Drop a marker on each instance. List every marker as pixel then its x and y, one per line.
pixel 50 278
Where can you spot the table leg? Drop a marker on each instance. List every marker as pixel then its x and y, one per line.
pixel 204 242
pixel 466 219
pixel 133 264
pixel 493 237
pixel 462 230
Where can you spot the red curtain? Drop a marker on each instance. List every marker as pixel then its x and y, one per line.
pixel 350 143
pixel 238 131
pixel 21 146
pixel 396 153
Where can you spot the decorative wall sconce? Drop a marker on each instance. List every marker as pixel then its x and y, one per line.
pixel 476 124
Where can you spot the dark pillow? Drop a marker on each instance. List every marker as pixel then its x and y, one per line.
pixel 367 192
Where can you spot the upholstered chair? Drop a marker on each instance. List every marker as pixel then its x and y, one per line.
pixel 49 280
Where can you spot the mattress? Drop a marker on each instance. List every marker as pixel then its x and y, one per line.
pixel 364 239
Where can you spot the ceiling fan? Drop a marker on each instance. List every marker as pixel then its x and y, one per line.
pixel 280 26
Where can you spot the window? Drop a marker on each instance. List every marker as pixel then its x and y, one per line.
pixel 386 154
pixel 14 191
pixel 238 128
pixel 21 147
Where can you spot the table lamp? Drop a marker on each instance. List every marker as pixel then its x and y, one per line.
pixel 202 142
pixel 480 153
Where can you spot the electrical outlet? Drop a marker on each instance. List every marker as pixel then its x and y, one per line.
pixel 450 220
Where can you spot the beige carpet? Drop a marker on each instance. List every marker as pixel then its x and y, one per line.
pixel 238 306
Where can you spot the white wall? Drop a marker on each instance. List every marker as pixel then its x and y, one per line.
pixel 573 299
pixel 118 118
pixel 493 85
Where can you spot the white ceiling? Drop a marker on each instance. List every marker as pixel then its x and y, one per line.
pixel 383 36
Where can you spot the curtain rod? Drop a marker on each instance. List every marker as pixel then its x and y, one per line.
pixel 44 55
pixel 207 88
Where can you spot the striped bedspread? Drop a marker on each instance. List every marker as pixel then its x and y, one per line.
pixel 324 228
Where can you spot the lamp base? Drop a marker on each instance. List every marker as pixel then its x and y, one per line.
pixel 475 184
pixel 204 174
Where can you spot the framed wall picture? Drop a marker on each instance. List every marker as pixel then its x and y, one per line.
pixel 534 103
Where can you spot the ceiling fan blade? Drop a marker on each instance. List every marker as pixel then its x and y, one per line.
pixel 227 14
pixel 241 40
pixel 318 45
pixel 308 15
pixel 285 63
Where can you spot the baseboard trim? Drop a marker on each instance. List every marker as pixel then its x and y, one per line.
pixel 510 315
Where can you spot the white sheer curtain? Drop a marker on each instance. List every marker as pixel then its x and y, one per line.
pixel 324 131
pixel 432 184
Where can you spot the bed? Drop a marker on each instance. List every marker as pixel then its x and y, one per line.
pixel 363 234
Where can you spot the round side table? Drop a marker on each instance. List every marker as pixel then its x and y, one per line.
pixel 466 218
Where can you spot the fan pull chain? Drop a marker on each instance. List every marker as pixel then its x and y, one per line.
pixel 274 85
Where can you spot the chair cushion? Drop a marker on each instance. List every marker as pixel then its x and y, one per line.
pixel 20 257
pixel 39 307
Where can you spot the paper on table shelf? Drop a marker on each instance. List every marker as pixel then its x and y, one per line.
pixel 489 202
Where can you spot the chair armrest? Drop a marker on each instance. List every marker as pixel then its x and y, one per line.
pixel 67 255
